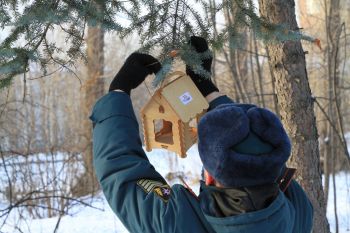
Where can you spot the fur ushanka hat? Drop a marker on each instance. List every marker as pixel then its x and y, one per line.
pixel 242 145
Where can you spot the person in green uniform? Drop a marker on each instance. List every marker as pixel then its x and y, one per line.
pixel 243 149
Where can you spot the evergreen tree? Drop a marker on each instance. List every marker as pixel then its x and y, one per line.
pixel 29 23
pixel 165 24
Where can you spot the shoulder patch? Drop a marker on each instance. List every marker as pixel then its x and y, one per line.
pixel 161 189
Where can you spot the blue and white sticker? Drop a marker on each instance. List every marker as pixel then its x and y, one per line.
pixel 185 98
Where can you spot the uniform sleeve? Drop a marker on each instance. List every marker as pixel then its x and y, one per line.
pixel 127 178
pixel 303 208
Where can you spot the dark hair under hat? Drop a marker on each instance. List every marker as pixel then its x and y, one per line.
pixel 242 145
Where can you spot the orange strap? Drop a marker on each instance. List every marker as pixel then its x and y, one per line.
pixel 285 180
pixel 188 188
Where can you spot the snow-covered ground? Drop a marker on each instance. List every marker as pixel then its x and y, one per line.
pixel 343 203
pixel 84 219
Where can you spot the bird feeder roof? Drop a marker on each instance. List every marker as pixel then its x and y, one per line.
pixel 184 97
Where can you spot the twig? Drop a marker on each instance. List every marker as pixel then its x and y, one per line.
pixel 9 183
pixel 58 222
pixel 24 84
pixel 5 104
pixel 335 129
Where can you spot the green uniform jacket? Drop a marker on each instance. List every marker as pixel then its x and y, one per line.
pixel 139 196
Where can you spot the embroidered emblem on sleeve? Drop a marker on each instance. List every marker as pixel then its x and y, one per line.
pixel 161 189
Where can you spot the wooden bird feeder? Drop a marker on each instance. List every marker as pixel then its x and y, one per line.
pixel 170 117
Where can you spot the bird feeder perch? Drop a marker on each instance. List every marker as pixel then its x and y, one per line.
pixel 170 117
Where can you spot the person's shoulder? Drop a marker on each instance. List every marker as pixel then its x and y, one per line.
pixel 181 192
pixel 303 207
pixel 295 192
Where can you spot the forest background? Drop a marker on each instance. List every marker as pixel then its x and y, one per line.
pixel 44 116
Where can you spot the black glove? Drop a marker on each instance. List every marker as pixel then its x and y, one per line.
pixel 205 85
pixel 134 71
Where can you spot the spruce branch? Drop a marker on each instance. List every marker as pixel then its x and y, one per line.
pixel 164 25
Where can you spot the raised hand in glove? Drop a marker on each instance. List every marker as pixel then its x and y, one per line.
pixel 205 85
pixel 134 71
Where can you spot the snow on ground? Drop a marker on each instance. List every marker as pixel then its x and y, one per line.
pixel 86 220
pixel 343 202
pixel 101 218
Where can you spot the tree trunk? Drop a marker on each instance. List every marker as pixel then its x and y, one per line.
pixel 94 89
pixel 296 107
pixel 234 58
pixel 260 75
pixel 333 29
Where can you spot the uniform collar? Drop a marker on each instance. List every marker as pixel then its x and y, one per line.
pixel 225 202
